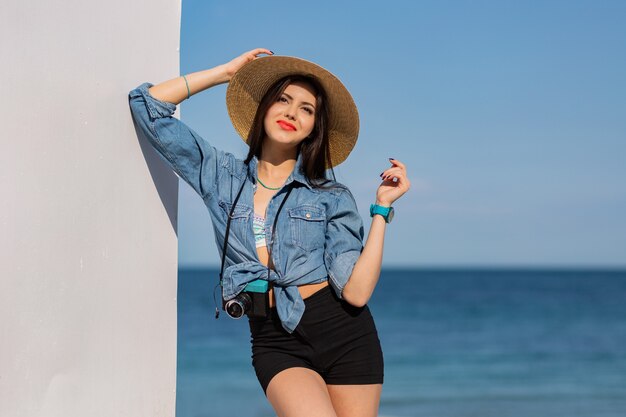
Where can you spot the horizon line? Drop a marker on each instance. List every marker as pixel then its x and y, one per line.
pixel 520 267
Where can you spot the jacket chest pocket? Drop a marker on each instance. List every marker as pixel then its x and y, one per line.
pixel 308 226
pixel 239 221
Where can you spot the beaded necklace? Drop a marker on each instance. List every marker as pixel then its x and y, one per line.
pixel 269 188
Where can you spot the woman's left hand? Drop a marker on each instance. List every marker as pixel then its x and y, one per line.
pixel 390 190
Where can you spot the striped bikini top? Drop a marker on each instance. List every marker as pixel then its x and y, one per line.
pixel 258 226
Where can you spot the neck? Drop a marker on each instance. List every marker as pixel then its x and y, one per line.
pixel 275 167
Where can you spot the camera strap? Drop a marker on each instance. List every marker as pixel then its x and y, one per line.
pixel 230 215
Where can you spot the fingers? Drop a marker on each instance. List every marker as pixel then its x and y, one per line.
pixel 398 167
pixel 395 182
pixel 399 180
pixel 390 173
pixel 396 174
pixel 259 51
pixel 396 179
pixel 397 163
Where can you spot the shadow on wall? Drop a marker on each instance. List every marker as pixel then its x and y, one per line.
pixel 162 176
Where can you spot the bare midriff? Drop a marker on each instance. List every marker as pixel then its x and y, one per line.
pixel 305 290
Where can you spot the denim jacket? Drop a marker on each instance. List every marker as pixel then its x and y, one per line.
pixel 319 234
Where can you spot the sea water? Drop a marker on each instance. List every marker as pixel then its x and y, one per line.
pixel 490 342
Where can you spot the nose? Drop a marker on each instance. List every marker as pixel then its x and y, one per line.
pixel 290 112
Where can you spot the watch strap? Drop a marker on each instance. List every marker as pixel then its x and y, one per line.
pixel 383 211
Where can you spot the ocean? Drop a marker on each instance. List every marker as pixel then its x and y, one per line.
pixel 456 343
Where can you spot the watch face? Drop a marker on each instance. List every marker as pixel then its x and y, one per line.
pixel 390 215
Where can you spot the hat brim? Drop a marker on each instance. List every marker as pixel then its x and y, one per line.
pixel 248 86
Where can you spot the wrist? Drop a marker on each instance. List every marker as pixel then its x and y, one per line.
pixel 382 203
pixel 377 217
pixel 385 211
pixel 225 73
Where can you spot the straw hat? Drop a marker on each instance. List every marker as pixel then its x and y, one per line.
pixel 248 86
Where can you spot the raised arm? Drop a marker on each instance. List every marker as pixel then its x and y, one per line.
pixel 175 90
pixel 366 271
pixel 194 159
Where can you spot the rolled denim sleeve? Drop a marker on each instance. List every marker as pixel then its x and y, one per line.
pixel 188 154
pixel 344 241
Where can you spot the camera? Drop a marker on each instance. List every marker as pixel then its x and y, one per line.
pixel 252 301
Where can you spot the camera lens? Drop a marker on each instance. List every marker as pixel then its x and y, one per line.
pixel 238 306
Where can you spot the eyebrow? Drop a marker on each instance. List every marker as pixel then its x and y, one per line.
pixel 304 102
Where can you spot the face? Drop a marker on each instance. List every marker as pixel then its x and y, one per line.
pixel 291 118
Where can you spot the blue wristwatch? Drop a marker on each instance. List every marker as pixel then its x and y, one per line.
pixel 386 212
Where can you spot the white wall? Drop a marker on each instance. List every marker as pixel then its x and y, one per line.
pixel 88 246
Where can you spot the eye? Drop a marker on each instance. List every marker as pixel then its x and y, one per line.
pixel 308 110
pixel 282 99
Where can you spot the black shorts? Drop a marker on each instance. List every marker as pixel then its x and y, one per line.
pixel 335 339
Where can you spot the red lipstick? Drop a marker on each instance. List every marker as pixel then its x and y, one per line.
pixel 286 125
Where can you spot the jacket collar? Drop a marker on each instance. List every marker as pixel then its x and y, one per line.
pixel 296 174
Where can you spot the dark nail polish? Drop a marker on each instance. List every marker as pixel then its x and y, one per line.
pixel 272 52
pixel 391 158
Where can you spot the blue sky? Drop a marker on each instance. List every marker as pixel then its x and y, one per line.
pixel 510 117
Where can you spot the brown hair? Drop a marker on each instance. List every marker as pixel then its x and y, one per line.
pixel 315 148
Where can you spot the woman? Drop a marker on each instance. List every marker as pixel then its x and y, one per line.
pixel 317 352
